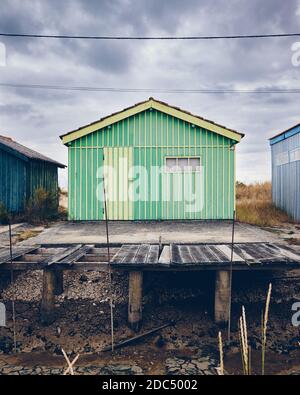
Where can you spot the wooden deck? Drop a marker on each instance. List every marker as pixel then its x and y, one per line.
pixel 177 257
pixel 53 259
pixel 245 256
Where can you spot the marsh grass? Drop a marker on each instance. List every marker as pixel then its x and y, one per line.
pixel 243 336
pixel 245 350
pixel 221 369
pixel 265 319
pixel 254 205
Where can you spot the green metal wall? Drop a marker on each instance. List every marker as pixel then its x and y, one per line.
pixel 153 136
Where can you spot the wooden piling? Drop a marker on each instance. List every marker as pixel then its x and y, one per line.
pixel 222 294
pixel 135 299
pixel 48 292
pixel 59 282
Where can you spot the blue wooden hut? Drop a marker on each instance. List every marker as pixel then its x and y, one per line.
pixel 22 171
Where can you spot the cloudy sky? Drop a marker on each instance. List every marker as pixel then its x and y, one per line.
pixel 37 117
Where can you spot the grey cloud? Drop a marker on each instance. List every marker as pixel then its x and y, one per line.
pixel 37 117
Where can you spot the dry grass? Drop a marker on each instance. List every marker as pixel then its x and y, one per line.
pixel 264 329
pixel 221 369
pixel 254 205
pixel 27 234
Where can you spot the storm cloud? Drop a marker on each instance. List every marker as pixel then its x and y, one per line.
pixel 37 117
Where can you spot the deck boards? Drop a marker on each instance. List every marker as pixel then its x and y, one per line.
pixel 67 252
pixel 209 256
pixel 137 254
pixel 76 254
pixel 16 253
pixel 248 254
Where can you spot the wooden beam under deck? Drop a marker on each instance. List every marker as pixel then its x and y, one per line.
pixel 135 297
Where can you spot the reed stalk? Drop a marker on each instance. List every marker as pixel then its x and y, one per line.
pixel 264 329
pixel 244 342
pixel 221 354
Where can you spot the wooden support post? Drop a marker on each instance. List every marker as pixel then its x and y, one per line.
pixel 59 282
pixel 48 292
pixel 135 300
pixel 222 294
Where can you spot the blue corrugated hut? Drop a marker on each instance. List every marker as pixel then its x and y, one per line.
pixel 22 171
pixel 285 148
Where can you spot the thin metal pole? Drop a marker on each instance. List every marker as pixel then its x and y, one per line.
pixel 230 276
pixel 109 269
pixel 12 281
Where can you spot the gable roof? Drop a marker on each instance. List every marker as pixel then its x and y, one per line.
pixel 285 134
pixel 23 152
pixel 157 105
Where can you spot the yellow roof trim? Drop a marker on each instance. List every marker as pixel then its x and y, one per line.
pixel 157 105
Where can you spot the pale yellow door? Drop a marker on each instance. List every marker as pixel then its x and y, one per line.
pixel 118 163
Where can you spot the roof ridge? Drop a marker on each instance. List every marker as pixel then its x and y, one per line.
pixel 151 99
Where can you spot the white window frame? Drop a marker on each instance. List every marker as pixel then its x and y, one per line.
pixel 188 169
pixel 282 158
pixel 295 155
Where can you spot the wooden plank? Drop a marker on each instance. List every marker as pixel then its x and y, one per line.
pixel 198 255
pixel 153 254
pixel 255 251
pixel 161 266
pixel 17 252
pixel 39 258
pixel 76 255
pixel 210 256
pixel 185 256
pixel 226 250
pixel 287 252
pixel 165 257
pixel 133 250
pixel 222 296
pixel 221 257
pixel 238 249
pixel 59 282
pixel 125 254
pixel 135 299
pixel 142 254
pixel 48 297
pixel 214 254
pixel 174 254
pixel 62 255
pixel 265 251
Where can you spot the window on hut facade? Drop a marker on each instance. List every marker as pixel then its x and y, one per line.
pixel 182 164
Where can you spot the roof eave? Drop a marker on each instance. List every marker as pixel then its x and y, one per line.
pixel 13 152
pixel 54 163
pixel 285 134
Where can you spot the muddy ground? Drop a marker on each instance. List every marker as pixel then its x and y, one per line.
pixel 82 324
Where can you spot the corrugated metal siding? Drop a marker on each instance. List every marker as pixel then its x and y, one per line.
pixel 153 136
pixel 84 180
pixel 13 182
pixel 286 177
pixel 19 180
pixel 120 160
pixel 41 175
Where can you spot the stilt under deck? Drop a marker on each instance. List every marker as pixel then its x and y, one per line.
pixel 137 258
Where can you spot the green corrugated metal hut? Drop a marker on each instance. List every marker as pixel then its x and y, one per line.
pixel 22 171
pixel 158 162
